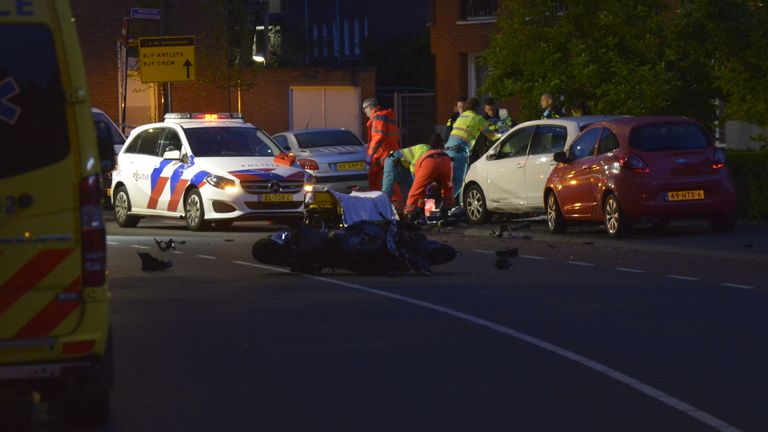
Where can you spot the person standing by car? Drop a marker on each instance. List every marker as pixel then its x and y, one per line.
pixel 383 138
pixel 457 110
pixel 549 108
pixel 465 131
pixel 434 166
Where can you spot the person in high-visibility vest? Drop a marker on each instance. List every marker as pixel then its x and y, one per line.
pixel 465 131
pixel 383 138
pixel 434 166
pixel 399 170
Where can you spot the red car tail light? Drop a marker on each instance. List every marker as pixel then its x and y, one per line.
pixel 92 232
pixel 308 164
pixel 634 163
pixel 719 161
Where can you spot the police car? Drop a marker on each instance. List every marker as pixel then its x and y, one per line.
pixel 210 169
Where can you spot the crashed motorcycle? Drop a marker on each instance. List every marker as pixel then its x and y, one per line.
pixel 365 246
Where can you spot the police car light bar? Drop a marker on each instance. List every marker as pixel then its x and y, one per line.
pixel 203 116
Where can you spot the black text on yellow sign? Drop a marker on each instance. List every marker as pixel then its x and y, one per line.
pixel 167 59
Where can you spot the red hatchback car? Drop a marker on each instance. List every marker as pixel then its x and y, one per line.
pixel 628 169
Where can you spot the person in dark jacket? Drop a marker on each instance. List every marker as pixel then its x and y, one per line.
pixel 549 107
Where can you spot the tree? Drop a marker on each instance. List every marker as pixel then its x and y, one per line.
pixel 620 57
pixel 227 34
pixel 739 32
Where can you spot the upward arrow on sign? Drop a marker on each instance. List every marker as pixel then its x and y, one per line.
pixel 187 64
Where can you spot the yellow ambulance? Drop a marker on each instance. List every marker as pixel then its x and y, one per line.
pixel 54 299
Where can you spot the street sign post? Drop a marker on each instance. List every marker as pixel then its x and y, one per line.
pixel 145 13
pixel 167 59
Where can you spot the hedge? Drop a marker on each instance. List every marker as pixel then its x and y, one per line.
pixel 750 172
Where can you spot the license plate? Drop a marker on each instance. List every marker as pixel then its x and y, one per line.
pixel 685 195
pixel 277 197
pixel 350 166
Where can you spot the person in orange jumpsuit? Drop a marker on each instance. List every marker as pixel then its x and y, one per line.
pixel 435 166
pixel 383 139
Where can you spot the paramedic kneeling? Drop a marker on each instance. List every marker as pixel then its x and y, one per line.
pixel 435 166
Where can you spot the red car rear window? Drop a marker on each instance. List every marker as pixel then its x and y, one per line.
pixel 668 136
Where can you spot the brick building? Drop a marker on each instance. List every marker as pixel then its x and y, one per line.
pixel 460 32
pixel 266 102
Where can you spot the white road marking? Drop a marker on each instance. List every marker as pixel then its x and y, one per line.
pixel 113 243
pixel 206 256
pixel 733 285
pixel 631 270
pixel 532 257
pixel 688 278
pixel 586 264
pixel 662 397
pixel 140 247
pixel 177 252
pixel 282 270
pixel 483 251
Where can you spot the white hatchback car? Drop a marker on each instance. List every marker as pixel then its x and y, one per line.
pixel 207 169
pixel 510 177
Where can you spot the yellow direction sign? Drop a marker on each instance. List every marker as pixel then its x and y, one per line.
pixel 167 59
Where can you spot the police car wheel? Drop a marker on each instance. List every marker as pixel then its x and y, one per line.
pixel 474 202
pixel 122 205
pixel 194 213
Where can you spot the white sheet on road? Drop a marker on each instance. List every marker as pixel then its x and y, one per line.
pixel 371 205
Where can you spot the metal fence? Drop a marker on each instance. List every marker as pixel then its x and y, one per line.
pixel 415 115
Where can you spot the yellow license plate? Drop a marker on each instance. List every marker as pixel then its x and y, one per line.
pixel 277 197
pixel 685 195
pixel 350 166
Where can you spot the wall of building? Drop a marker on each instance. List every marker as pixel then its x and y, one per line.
pixel 453 39
pixel 266 103
pixel 99 26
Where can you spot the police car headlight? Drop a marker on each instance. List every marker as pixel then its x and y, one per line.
pixel 309 182
pixel 220 182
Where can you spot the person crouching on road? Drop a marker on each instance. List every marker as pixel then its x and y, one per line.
pixel 434 166
pixel 399 170
pixel 383 138
pixel 466 129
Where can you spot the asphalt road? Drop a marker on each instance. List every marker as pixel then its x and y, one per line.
pixel 658 332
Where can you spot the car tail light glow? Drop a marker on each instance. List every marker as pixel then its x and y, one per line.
pixel 634 163
pixel 719 159
pixel 308 164
pixel 92 233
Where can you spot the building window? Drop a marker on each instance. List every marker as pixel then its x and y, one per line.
pixel 336 40
pixel 357 36
pixel 325 41
pixel 477 74
pixel 315 42
pixel 346 38
pixel 479 9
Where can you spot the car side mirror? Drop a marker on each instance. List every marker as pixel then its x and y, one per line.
pixel 172 155
pixel 560 157
pixel 287 149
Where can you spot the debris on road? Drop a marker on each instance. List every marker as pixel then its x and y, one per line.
pixel 166 245
pixel 506 230
pixel 503 258
pixel 150 263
